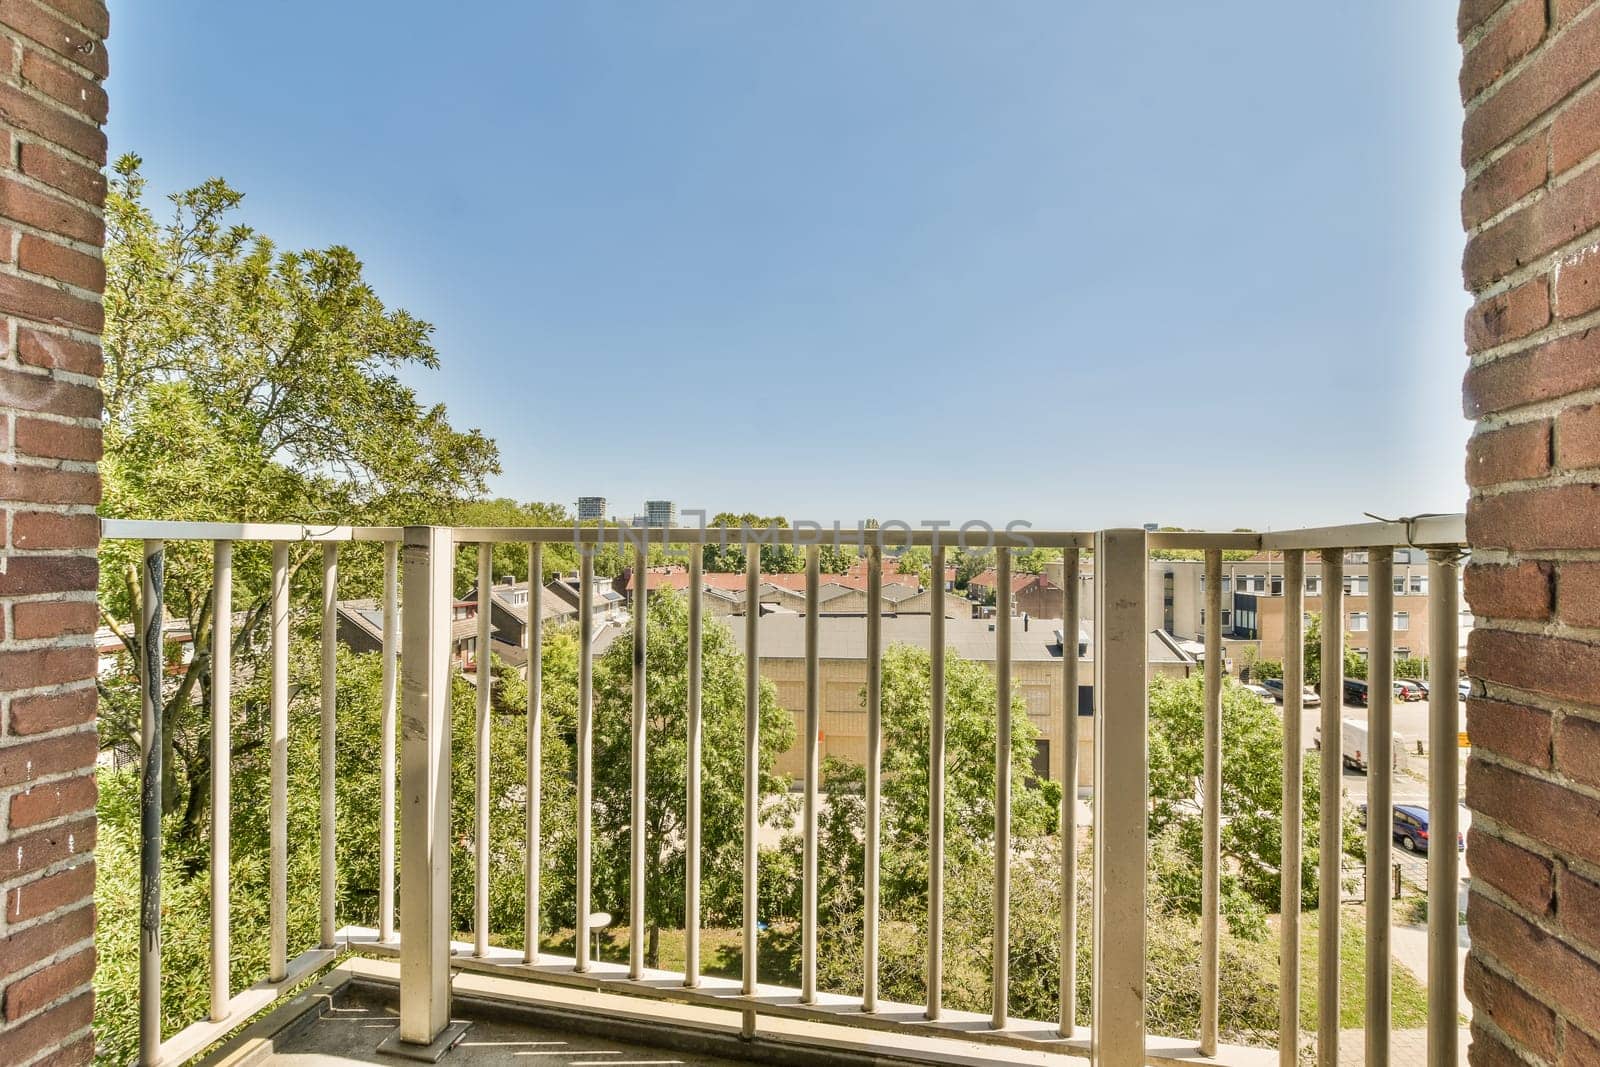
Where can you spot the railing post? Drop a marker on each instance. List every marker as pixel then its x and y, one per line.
pixel 483 675
pixel 535 753
pixel 1444 871
pixel 936 759
pixel 278 799
pixel 1000 983
pixel 1072 594
pixel 1331 813
pixel 221 771
pixel 1211 792
pixel 151 611
pixel 1290 877
pixel 1380 799
pixel 386 744
pixel 425 787
pixel 329 697
pixel 1121 653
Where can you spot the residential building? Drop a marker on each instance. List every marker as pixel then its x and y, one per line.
pixel 660 513
pixel 591 508
pixel 1036 652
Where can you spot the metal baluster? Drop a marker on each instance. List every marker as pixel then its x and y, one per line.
pixel 484 675
pixel 387 727
pixel 1070 608
pixel 1380 800
pixel 936 788
pixel 533 859
pixel 151 662
pixel 1444 866
pixel 636 831
pixel 1211 832
pixel 1332 808
pixel 278 804
pixel 329 698
pixel 694 739
pixel 1002 793
pixel 1289 886
pixel 585 749
pixel 221 772
pixel 808 908
pixel 752 764
pixel 869 928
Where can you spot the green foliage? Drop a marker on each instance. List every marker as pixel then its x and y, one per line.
pixel 1262 669
pixel 722 760
pixel 1234 555
pixel 244 382
pixel 1252 794
pixel 1355 664
pixel 971 562
pixel 779 555
pixel 918 562
pixel 1033 560
pixel 1415 667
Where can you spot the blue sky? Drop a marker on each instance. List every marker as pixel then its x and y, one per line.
pixel 1078 264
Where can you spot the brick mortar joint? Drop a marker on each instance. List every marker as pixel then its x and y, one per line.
pixel 1546 263
pixel 1558 478
pixel 46 100
pixel 1481 32
pixel 1510 694
pixel 60 59
pixel 1553 628
pixel 1556 933
pixel 1548 777
pixel 69 377
pixel 1547 42
pixel 21 137
pixel 67 288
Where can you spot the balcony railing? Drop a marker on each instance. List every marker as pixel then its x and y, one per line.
pixel 419 563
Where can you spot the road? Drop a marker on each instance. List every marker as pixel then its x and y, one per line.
pixel 1410 785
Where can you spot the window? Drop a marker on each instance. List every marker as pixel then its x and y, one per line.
pixel 1399 583
pixel 1314 586
pixel 1227 584
pixel 1227 617
pixel 1277 585
pixel 1419 584
pixel 1402 620
pixel 1358 621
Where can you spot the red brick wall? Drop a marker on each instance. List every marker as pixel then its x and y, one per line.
pixel 1530 78
pixel 51 198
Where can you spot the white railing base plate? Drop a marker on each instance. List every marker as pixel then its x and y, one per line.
pixel 783 1003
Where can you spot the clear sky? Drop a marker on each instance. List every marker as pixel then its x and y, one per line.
pixel 1078 264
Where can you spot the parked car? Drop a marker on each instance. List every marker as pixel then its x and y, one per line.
pixel 1259 690
pixel 1411 828
pixel 1420 684
pixel 1353 747
pixel 1308 695
pixel 1464 687
pixel 1355 691
pixel 1406 689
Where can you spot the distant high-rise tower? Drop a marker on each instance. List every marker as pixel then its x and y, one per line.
pixel 591 508
pixel 660 513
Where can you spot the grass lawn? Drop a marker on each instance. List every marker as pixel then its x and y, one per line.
pixel 721 951
pixel 1408 1004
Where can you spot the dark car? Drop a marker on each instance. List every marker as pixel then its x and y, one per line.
pixel 1411 828
pixel 1355 691
pixel 1308 699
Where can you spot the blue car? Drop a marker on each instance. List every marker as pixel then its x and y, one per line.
pixel 1411 828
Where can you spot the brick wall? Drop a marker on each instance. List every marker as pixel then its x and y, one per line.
pixel 51 195
pixel 1530 78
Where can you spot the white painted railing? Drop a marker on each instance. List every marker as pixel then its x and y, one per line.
pixel 419 563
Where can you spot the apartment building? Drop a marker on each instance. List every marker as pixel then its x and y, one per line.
pixel 1036 650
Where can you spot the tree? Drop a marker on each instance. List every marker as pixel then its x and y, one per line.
pixel 918 562
pixel 1252 795
pixel 722 781
pixel 1355 664
pixel 779 555
pixel 971 562
pixel 1230 554
pixel 1033 560
pixel 244 382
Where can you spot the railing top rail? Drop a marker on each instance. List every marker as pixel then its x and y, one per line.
pixel 162 530
pixel 1423 531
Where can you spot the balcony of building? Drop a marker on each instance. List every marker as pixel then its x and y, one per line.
pixel 417 987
